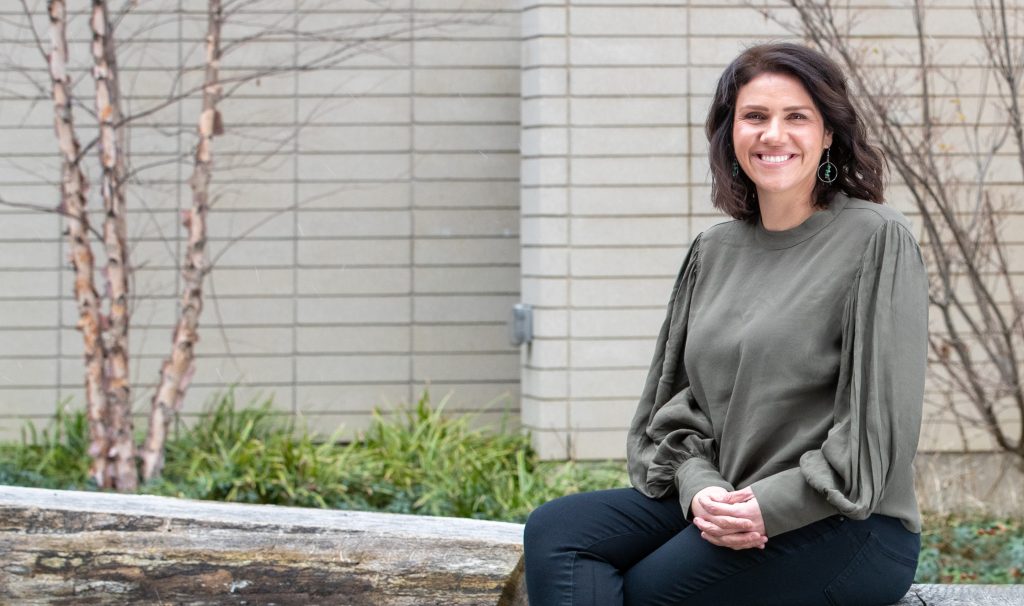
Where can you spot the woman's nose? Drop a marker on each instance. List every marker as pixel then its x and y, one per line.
pixel 773 132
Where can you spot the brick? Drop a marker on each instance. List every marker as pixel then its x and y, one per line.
pixel 340 252
pixel 627 112
pixel 600 445
pixel 465 194
pixel 628 170
pixel 654 265
pixel 467 138
pixel 375 196
pixel 620 292
pixel 613 415
pixel 354 310
pixel 353 339
pixel 474 165
pixel 544 111
pixel 540 383
pixel 460 338
pixel 355 139
pixel 543 21
pixel 354 281
pixel 544 231
pixel 545 81
pixel 543 171
pixel 641 231
pixel 627 51
pixel 467 280
pixel 347 81
pixel 603 323
pixel 628 20
pixel 639 200
pixel 449 223
pixel 352 223
pixel 540 414
pixel 461 309
pixel 543 140
pixel 466 81
pixel 466 367
pixel 465 109
pixel 606 383
pixel 544 292
pixel 607 353
pixel 547 354
pixel 475 251
pixel 352 368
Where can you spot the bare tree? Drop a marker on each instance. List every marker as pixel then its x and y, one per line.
pixel 975 292
pixel 105 333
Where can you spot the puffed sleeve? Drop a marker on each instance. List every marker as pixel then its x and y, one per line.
pixel 670 443
pixel 877 413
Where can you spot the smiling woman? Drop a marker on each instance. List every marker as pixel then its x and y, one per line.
pixel 771 451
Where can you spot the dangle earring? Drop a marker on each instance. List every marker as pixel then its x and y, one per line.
pixel 827 172
pixel 735 168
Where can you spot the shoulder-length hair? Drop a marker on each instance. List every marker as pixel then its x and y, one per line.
pixel 861 165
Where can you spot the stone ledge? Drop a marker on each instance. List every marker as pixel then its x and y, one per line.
pixel 64 547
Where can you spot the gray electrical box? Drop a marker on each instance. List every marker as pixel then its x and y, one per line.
pixel 520 327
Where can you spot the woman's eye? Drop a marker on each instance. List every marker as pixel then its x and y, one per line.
pixel 798 116
pixel 753 116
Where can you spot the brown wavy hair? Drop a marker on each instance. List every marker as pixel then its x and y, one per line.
pixel 861 165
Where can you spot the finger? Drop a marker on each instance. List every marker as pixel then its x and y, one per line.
pixel 726 524
pixel 712 529
pixel 737 541
pixel 717 508
pixel 737 496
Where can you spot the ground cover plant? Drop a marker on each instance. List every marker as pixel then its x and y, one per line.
pixel 420 461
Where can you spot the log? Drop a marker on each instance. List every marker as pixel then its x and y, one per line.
pixel 66 547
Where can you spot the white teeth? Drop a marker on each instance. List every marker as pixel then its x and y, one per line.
pixel 775 159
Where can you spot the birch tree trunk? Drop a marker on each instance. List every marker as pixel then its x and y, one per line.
pixel 177 370
pixel 73 201
pixel 121 472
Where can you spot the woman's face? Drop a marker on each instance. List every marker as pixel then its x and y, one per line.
pixel 778 136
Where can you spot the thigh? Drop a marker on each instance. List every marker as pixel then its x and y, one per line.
pixel 620 526
pixel 833 562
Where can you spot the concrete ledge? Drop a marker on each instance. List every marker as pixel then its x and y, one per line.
pixel 63 547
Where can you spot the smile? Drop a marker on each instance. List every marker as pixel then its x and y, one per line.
pixel 775 159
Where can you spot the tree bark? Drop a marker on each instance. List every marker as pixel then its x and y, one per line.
pixel 177 370
pixel 73 202
pixel 64 547
pixel 121 472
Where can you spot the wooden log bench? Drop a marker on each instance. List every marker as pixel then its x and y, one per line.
pixel 63 547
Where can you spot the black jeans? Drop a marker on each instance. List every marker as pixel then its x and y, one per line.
pixel 620 547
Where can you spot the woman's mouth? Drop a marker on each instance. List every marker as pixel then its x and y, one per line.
pixel 774 158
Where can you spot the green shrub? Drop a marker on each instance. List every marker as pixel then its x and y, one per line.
pixel 54 457
pixel 971 549
pixel 418 460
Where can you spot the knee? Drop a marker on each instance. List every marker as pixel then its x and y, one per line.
pixel 545 523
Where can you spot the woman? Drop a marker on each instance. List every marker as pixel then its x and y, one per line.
pixel 771 452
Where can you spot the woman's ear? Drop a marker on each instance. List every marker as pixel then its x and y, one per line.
pixel 828 138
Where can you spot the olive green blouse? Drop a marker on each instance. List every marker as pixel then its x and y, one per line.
pixel 792 362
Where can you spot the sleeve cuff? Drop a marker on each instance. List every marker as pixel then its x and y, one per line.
pixel 788 502
pixel 693 476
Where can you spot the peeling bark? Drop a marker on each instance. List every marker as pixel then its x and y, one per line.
pixel 65 547
pixel 73 201
pixel 120 470
pixel 177 370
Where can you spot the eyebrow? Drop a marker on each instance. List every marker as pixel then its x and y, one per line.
pixel 791 108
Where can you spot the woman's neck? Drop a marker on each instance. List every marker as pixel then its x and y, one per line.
pixel 779 214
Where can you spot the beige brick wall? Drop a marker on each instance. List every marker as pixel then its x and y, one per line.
pixel 380 242
pixel 544 151
pixel 615 186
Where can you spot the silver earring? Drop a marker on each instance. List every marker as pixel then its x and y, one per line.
pixel 735 168
pixel 827 172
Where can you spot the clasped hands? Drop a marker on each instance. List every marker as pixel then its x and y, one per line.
pixel 729 519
